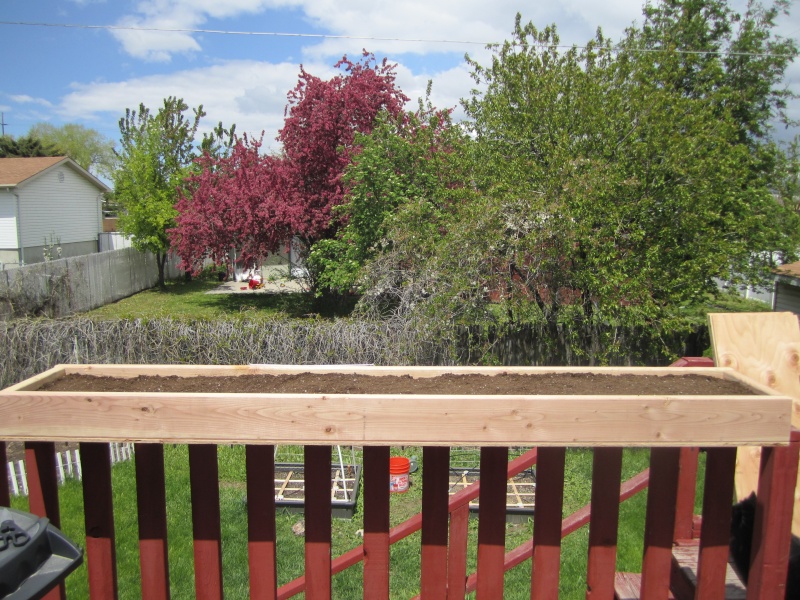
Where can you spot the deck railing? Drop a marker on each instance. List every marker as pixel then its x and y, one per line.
pixel 443 520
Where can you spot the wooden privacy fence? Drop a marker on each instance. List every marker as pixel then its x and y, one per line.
pixel 670 426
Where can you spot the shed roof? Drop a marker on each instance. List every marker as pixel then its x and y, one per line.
pixel 17 171
pixel 790 270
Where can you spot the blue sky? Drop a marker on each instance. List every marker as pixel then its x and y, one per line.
pixel 90 76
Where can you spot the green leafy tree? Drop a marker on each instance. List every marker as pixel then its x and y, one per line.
pixel 621 178
pixel 156 154
pixel 26 146
pixel 87 147
pixel 407 170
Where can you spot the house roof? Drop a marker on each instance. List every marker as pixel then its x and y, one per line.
pixel 790 270
pixel 17 171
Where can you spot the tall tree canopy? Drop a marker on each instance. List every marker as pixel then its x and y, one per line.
pixel 266 200
pixel 410 172
pixel 611 181
pixel 87 147
pixel 26 146
pixel 156 155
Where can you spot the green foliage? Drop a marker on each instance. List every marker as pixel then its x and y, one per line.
pixel 610 187
pixel 87 147
pixel 616 177
pixel 156 154
pixel 408 165
pixel 26 147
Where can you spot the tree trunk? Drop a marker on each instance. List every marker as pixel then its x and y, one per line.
pixel 161 260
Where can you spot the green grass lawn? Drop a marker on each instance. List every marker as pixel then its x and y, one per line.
pixel 405 555
pixel 182 299
pixel 188 299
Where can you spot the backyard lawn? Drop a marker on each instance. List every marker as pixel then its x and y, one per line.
pixel 190 300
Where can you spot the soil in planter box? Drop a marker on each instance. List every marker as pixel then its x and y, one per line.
pixel 452 384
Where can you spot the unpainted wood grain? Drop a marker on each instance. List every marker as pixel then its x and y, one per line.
pixel 395 420
pixel 766 348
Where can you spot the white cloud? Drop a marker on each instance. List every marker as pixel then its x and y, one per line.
pixel 172 16
pixel 25 99
pixel 250 94
pixel 414 20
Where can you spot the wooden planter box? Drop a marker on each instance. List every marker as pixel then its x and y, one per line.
pixel 26 413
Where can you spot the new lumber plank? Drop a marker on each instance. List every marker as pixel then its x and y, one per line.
pixel 559 421
pixel 764 347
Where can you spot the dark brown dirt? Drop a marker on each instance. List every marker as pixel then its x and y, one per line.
pixel 467 384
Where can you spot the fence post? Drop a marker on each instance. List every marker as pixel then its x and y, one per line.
pixel 492 522
pixel 660 522
pixel 376 522
pixel 435 483
pixel 151 507
pixel 99 519
pixel 206 526
pixel 317 473
pixel 40 458
pixel 261 535
pixel 5 496
pixel 715 531
pixel 606 484
pixel 547 523
pixel 773 520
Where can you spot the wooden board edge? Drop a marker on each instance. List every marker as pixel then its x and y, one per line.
pixel 132 370
pixel 409 420
pixel 37 381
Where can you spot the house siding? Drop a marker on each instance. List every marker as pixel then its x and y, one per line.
pixel 8 221
pixel 787 297
pixel 62 205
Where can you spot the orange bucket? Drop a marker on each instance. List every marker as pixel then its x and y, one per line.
pixel 398 474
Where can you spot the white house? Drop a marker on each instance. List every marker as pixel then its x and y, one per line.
pixel 49 208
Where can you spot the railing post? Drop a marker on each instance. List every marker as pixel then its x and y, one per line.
pixel 547 523
pixel 5 495
pixel 457 553
pixel 98 512
pixel 40 463
pixel 317 474
pixel 376 522
pixel 492 523
pixel 715 531
pixel 773 520
pixel 435 482
pixel 606 484
pixel 660 522
pixel 687 489
pixel 151 506
pixel 261 534
pixel 206 527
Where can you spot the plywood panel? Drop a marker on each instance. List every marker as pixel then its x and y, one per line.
pixel 766 348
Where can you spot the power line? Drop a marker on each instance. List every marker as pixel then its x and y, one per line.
pixel 365 38
pixel 254 33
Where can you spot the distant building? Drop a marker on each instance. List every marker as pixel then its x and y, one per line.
pixel 49 208
pixel 787 288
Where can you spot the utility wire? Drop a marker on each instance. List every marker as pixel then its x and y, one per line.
pixel 363 38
